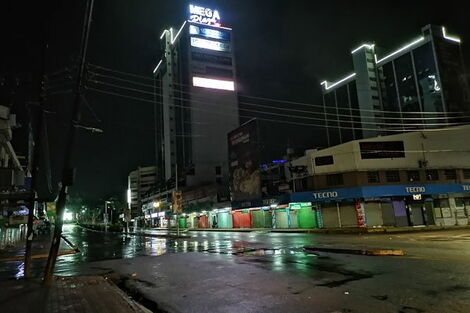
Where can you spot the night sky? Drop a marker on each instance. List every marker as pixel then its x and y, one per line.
pixel 283 49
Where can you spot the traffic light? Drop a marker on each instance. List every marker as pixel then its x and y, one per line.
pixel 177 201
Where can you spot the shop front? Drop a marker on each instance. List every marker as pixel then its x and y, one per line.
pixel 391 205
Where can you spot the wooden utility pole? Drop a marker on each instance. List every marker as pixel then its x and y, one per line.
pixel 68 170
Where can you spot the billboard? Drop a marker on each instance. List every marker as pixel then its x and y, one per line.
pixel 382 149
pixel 245 180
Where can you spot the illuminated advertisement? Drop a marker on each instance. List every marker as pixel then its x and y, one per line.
pixel 210 44
pixel 210 58
pixel 245 179
pixel 202 15
pixel 209 32
pixel 213 83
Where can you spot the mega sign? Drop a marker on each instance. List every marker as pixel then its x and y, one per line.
pixel 203 15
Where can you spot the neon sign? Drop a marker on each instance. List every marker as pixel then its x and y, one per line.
pixel 204 15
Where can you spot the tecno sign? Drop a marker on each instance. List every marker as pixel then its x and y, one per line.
pixel 324 195
pixel 415 189
pixel 204 15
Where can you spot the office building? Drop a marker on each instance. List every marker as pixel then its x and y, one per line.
pixel 417 86
pixel 140 182
pixel 197 100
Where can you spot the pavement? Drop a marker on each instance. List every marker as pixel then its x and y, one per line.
pixel 66 294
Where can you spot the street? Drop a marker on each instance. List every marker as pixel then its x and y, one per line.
pixel 261 272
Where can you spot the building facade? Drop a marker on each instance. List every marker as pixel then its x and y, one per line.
pixel 412 179
pixel 139 182
pixel 420 85
pixel 199 105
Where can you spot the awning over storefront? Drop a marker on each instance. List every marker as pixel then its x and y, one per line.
pixel 378 191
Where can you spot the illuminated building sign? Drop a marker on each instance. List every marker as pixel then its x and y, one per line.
pixel 210 44
pixel 203 15
pixel 213 83
pixel 210 58
pixel 209 32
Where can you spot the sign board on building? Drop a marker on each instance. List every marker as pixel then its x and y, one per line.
pixel 209 32
pixel 210 44
pixel 202 15
pixel 382 149
pixel 245 180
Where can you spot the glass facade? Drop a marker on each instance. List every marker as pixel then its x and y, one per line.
pixel 416 88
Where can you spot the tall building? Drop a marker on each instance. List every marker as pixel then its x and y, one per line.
pixel 416 86
pixel 197 101
pixel 140 182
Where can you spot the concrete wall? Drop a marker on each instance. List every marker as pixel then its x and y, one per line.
pixel 439 152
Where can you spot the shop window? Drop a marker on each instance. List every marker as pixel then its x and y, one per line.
pixel 373 177
pixel 392 176
pixel 413 175
pixel 450 174
pixel 466 173
pixel 334 179
pixel 432 175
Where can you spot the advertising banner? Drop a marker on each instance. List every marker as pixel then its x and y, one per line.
pixel 245 181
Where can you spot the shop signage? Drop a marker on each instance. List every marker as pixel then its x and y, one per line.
pixel 324 195
pixel 210 44
pixel 419 189
pixel 202 15
pixel 466 187
pixel 209 32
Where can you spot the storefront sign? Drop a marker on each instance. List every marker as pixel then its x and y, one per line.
pixel 418 189
pixel 325 195
pixel 466 187
pixel 360 213
pixel 202 15
pixel 210 44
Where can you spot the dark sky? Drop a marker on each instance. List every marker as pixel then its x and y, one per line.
pixel 283 49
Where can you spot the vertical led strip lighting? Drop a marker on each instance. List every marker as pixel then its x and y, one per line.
pixel 213 83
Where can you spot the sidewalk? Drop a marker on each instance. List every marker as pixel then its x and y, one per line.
pixel 67 294
pixel 345 230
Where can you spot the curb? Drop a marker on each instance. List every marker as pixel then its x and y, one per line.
pixel 37 256
pixel 378 252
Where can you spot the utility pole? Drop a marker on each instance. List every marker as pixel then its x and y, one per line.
pixel 68 171
pixel 37 126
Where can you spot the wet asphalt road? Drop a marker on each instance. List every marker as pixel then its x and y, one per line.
pixel 434 273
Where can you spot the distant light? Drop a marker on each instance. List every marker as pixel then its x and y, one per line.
pixel 367 46
pixel 154 215
pixel 156 204
pixel 128 196
pixel 68 216
pixel 417 197
pixel 213 83
pixel 401 49
pixel 210 44
pixel 279 161
pixel 451 38
pixel 325 83
pixel 274 205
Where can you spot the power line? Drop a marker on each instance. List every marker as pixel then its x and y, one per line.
pixel 270 120
pixel 297 110
pixel 286 115
pixel 286 101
